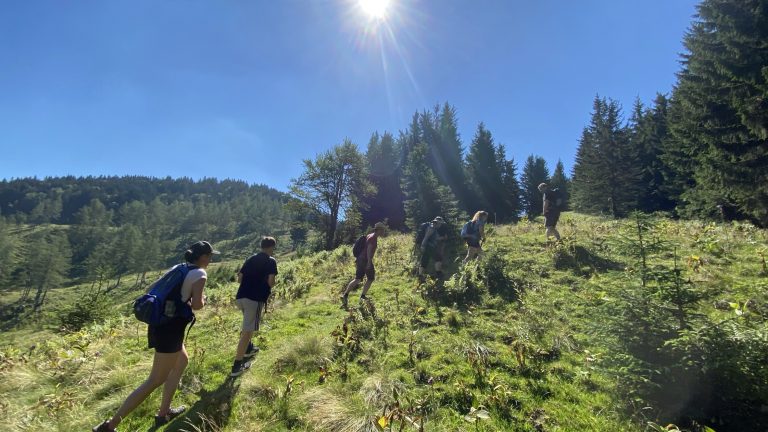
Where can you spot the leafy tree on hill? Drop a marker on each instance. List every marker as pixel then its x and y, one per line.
pixel 719 113
pixel 561 182
pixel 333 186
pixel 535 172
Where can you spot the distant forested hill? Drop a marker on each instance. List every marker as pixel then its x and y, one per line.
pixel 56 231
pixel 59 199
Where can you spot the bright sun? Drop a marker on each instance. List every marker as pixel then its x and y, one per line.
pixel 375 9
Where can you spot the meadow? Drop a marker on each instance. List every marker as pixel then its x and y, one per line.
pixel 625 325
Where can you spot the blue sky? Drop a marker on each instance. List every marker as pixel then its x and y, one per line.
pixel 247 89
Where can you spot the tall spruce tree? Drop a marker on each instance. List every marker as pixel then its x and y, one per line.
pixel 561 182
pixel 508 196
pixel 535 172
pixel 484 172
pixel 383 157
pixel 648 131
pixel 718 149
pixel 451 152
pixel 425 196
pixel 607 174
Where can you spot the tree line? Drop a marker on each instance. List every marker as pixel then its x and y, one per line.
pixel 423 172
pixel 701 152
pixel 98 229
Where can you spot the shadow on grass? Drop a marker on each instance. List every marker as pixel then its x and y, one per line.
pixel 211 412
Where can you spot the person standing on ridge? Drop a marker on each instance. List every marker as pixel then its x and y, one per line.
pixel 473 232
pixel 256 277
pixel 553 202
pixel 432 246
pixel 171 357
pixel 366 246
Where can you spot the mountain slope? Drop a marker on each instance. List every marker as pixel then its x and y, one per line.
pixel 519 335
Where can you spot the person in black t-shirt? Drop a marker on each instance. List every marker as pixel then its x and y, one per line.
pixel 256 277
pixel 551 210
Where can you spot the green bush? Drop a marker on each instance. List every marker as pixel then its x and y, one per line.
pixel 87 309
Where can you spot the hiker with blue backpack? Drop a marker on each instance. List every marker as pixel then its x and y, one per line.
pixel 168 308
pixel 256 277
pixel 430 241
pixel 364 250
pixel 473 232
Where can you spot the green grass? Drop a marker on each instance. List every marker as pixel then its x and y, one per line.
pixel 526 355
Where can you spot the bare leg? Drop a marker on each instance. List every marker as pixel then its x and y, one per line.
pixel 472 253
pixel 172 382
pixel 245 339
pixel 366 287
pixel 162 365
pixel 352 285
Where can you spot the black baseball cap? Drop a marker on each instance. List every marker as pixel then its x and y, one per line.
pixel 203 248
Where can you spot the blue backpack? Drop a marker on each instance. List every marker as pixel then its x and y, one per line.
pixel 163 302
pixel 469 230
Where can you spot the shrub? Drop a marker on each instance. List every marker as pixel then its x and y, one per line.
pixel 87 309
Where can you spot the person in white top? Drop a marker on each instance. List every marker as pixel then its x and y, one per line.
pixel 171 357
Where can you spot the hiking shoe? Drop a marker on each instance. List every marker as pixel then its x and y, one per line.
pixel 251 351
pixel 364 298
pixel 238 367
pixel 104 427
pixel 172 413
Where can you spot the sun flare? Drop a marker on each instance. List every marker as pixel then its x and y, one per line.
pixel 374 9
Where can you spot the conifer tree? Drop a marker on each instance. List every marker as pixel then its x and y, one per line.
pixel 561 182
pixel 483 171
pixel 383 158
pixel 607 174
pixel 535 172
pixel 719 113
pixel 648 133
pixel 425 196
pixel 509 192
pixel 451 152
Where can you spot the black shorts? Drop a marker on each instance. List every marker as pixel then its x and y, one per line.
pixel 550 219
pixel 362 270
pixel 472 242
pixel 167 338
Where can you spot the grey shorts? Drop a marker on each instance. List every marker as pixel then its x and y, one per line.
pixel 252 313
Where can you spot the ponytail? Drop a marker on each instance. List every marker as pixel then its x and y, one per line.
pixel 190 256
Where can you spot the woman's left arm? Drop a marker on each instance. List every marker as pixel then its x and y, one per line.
pixel 198 299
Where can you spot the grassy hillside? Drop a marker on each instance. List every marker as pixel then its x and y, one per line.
pixel 528 339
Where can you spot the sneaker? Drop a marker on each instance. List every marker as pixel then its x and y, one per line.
pixel 104 427
pixel 239 367
pixel 251 351
pixel 172 413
